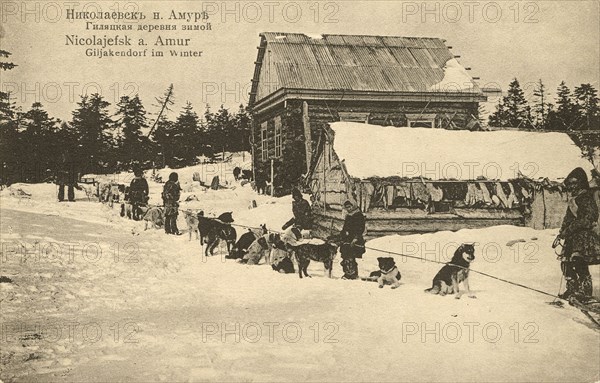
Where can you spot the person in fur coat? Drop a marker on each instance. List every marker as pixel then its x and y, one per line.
pixel 580 235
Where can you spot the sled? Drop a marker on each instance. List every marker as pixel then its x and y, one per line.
pixel 590 309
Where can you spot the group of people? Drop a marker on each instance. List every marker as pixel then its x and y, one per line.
pixel 351 236
pixel 579 234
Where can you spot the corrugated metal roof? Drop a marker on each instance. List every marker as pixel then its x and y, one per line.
pixel 355 62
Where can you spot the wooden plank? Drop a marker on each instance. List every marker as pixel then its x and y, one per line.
pixel 331 224
pixel 488 213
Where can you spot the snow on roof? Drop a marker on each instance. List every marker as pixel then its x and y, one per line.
pixel 455 78
pixel 438 154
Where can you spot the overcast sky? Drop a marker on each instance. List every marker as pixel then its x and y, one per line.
pixel 551 40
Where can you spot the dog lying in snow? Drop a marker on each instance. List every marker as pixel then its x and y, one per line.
pixel 240 249
pixel 154 216
pixel 389 273
pixel 454 272
pixel 262 248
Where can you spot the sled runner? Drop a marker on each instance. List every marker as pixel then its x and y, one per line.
pixel 591 309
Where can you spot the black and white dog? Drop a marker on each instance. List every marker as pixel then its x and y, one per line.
pixel 388 272
pixel 446 281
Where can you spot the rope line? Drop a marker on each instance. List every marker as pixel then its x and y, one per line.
pixel 420 258
pixel 434 261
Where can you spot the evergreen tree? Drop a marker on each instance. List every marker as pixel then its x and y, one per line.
pixel 131 119
pixel 587 105
pixel 164 104
pixel 40 142
pixel 91 126
pixel 243 123
pixel 516 106
pixel 5 65
pixel 10 150
pixel 185 136
pixel 162 139
pixel 564 117
pixel 512 110
pixel 220 130
pixel 541 107
pixel 500 117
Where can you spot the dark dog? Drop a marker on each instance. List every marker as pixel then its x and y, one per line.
pixel 243 244
pixel 207 225
pixel 236 173
pixel 320 253
pixel 453 273
pixel 246 174
pixel 213 230
pixel 225 233
pixel 284 266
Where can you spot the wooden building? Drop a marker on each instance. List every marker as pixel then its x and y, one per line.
pixel 414 180
pixel 302 83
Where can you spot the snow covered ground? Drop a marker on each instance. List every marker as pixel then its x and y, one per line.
pixel 95 297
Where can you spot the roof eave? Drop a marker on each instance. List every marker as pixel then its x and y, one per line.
pixel 284 94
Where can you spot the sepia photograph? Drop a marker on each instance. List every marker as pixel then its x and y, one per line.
pixel 300 191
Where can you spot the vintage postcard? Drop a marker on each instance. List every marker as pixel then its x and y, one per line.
pixel 299 191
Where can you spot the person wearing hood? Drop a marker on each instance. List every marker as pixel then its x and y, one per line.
pixel 302 212
pixel 353 244
pixel 170 195
pixel 581 241
pixel 138 193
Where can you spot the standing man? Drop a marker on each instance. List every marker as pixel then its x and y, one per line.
pixel 170 195
pixel 353 243
pixel 581 242
pixel 302 212
pixel 138 193
pixel 66 176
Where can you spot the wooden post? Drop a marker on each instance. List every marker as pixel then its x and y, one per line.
pixel 324 157
pixel 272 177
pixel 307 135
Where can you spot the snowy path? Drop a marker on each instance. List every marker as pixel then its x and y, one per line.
pixel 161 312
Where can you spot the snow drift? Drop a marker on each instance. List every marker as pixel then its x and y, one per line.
pixel 455 79
pixel 386 151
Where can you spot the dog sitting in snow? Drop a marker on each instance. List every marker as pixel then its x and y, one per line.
pixel 454 272
pixel 388 273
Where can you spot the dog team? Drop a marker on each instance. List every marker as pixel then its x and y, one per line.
pixel 281 250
